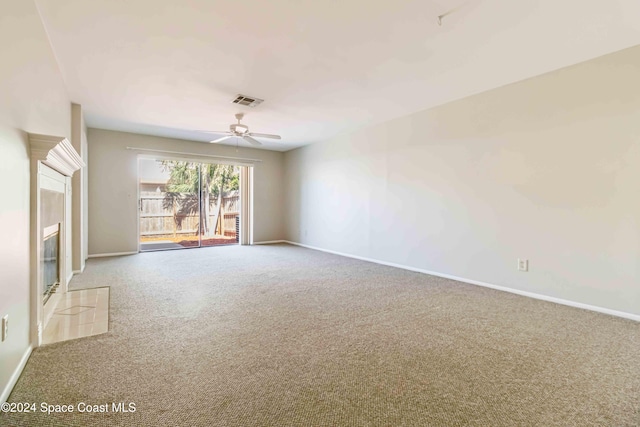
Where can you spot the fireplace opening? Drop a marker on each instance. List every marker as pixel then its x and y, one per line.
pixel 50 260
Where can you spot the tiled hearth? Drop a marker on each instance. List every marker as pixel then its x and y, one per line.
pixel 78 314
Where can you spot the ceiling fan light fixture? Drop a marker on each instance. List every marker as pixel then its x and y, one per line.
pixel 241 131
pixel 238 128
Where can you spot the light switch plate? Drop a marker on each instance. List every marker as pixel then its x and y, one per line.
pixel 5 326
pixel 523 264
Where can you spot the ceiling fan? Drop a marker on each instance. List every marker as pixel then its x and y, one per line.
pixel 241 131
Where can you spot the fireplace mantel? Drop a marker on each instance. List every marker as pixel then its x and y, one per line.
pixel 55 152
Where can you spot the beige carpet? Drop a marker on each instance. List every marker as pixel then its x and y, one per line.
pixel 284 336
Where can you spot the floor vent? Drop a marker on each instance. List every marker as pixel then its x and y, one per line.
pixel 247 100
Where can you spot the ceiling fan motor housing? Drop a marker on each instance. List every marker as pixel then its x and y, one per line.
pixel 239 129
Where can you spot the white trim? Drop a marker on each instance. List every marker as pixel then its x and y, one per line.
pixel 69 277
pixel 271 242
pixel 51 179
pixel 55 152
pixel 542 297
pixel 112 254
pixel 138 204
pixel 246 205
pixel 251 201
pixel 16 374
pixel 51 230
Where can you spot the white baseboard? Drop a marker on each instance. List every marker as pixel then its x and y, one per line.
pixel 270 242
pixel 542 297
pixel 69 277
pixel 81 270
pixel 113 254
pixel 16 374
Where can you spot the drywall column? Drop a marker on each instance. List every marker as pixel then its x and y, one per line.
pixel 80 193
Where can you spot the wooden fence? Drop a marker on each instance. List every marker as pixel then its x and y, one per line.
pixel 156 221
pixel 230 208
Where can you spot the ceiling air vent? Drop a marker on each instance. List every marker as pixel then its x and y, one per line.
pixel 249 101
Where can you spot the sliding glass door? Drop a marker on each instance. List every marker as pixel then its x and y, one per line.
pixel 187 204
pixel 220 202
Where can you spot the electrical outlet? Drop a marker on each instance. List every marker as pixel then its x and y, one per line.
pixel 5 327
pixel 523 264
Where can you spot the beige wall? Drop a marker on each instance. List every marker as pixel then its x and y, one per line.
pixel 113 187
pixel 32 99
pixel 547 169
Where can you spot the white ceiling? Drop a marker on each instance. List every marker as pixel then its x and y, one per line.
pixel 165 68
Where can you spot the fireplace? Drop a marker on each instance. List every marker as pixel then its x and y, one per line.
pixel 50 260
pixel 53 162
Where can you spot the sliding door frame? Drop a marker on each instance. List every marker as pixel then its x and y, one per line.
pixel 246 186
pixel 246 205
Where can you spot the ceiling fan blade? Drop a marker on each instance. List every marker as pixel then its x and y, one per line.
pixel 251 140
pixel 225 132
pixel 215 141
pixel 264 135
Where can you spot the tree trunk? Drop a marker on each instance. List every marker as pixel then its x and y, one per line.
pixel 206 227
pixel 217 212
pixel 218 203
pixel 205 202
